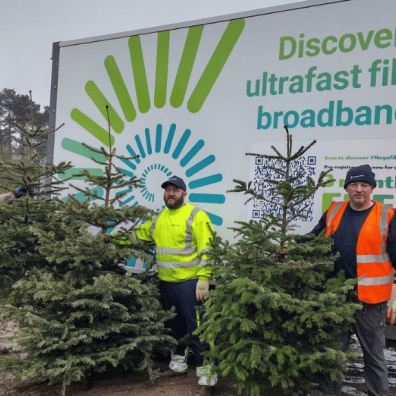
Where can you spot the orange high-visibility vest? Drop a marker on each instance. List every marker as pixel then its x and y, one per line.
pixel 374 270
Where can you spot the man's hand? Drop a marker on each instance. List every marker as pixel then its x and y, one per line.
pixel 7 197
pixel 202 290
pixel 391 315
pixel 120 239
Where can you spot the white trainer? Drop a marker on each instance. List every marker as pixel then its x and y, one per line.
pixel 206 375
pixel 178 363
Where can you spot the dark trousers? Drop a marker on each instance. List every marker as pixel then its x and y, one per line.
pixel 181 296
pixel 370 330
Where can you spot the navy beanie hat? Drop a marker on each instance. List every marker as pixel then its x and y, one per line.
pixel 362 173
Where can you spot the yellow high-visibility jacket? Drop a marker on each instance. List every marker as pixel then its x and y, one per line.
pixel 182 238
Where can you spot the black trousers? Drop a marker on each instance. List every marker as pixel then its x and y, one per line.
pixel 181 296
pixel 370 330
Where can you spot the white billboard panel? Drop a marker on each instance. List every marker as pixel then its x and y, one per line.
pixel 192 101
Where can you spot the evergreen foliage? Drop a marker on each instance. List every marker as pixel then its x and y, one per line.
pixel 82 314
pixel 18 111
pixel 33 209
pixel 274 319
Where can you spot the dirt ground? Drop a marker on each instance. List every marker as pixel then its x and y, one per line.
pixel 180 385
pixel 138 385
pixel 168 384
pixel 135 384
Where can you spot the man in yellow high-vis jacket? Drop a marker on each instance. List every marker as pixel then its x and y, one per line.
pixel 182 235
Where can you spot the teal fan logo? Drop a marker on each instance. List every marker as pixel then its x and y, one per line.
pixel 164 149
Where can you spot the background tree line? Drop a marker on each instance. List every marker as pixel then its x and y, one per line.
pixel 18 111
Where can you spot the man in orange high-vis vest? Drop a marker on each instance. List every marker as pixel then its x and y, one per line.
pixel 364 234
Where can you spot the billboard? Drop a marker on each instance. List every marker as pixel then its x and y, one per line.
pixel 190 100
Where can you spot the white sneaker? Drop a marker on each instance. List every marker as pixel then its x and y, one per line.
pixel 206 375
pixel 178 363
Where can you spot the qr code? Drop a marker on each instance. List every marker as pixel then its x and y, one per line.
pixel 265 172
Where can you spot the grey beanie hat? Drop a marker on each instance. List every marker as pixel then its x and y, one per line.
pixel 362 173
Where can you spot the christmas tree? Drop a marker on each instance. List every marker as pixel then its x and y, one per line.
pixel 274 319
pixel 82 314
pixel 28 181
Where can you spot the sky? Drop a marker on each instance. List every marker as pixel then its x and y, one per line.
pixel 29 27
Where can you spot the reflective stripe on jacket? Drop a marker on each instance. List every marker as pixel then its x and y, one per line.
pixel 182 238
pixel 374 269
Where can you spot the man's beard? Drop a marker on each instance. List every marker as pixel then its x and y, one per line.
pixel 177 203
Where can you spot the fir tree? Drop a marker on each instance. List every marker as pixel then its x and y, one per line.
pixel 16 112
pixel 274 319
pixel 35 181
pixel 83 314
